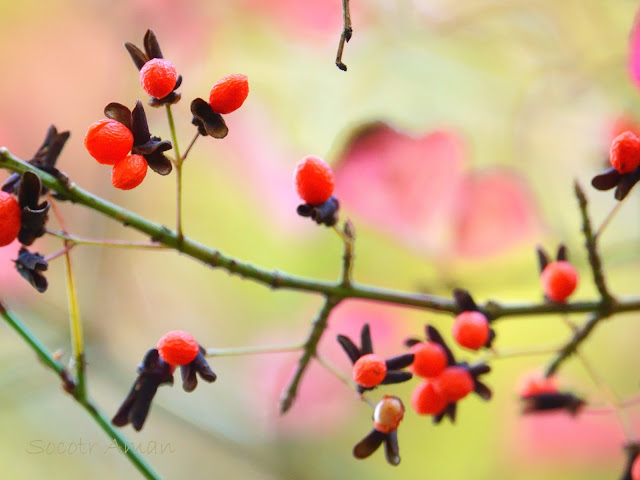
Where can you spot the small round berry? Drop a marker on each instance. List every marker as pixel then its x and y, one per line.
pixel 624 153
pixel 430 359
pixel 314 180
pixel 108 141
pixel 158 77
pixel 388 414
pixel 559 280
pixel 129 172
pixel 369 370
pixel 178 348
pixel 471 330
pixel 537 385
pixel 426 400
pixel 229 93
pixel 454 383
pixel 635 469
pixel 10 218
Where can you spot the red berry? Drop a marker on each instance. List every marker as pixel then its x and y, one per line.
pixel 108 141
pixel 471 330
pixel 537 385
pixel 559 280
pixel 426 400
pixel 454 383
pixel 624 153
pixel 10 218
pixel 158 77
pixel 430 359
pixel 369 370
pixel 388 414
pixel 314 180
pixel 129 172
pixel 229 93
pixel 635 469
pixel 178 348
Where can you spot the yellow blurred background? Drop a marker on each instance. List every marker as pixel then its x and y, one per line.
pixel 533 86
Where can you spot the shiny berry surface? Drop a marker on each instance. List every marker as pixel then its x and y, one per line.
pixel 430 359
pixel 471 330
pixel 158 77
pixel 10 218
pixel 559 280
pixel 314 180
pixel 108 141
pixel 624 153
pixel 178 348
pixel 369 370
pixel 229 93
pixel 129 172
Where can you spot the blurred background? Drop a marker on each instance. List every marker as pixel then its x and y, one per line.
pixel 456 135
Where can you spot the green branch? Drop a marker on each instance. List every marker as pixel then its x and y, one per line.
pixel 310 349
pixel 69 385
pixel 274 279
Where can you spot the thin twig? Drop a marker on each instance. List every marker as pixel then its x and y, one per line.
pixel 614 400
pixel 178 167
pixel 60 252
pixel 574 342
pixel 345 36
pixel 74 240
pixel 193 141
pixel 227 352
pixel 608 219
pixel 275 279
pixel 344 379
pixel 75 324
pixel 310 348
pixel 68 384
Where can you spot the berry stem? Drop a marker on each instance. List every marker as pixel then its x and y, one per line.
pixel 227 352
pixel 193 141
pixel 608 218
pixel 280 280
pixel 75 324
pixel 527 351
pixel 310 349
pixel 74 240
pixel 613 399
pixel 59 253
pixel 178 167
pixel 345 36
pixel 343 378
pixel 69 385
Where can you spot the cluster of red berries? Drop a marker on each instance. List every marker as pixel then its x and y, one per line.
pixel 314 182
pixel 10 218
pixel 445 381
pixel 109 142
pixel 174 349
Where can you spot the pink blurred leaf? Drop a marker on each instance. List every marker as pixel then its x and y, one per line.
pixel 634 53
pixel 404 185
pixel 416 190
pixel 495 211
